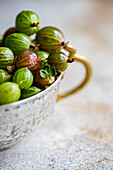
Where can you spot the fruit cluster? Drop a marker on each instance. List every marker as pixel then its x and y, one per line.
pixel 29 66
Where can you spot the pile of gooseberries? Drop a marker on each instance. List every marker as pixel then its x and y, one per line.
pixel 28 66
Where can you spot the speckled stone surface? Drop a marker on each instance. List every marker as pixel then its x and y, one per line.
pixel 79 134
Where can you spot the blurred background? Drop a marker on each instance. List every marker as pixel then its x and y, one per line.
pixel 88 25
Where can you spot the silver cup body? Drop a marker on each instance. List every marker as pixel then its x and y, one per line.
pixel 21 118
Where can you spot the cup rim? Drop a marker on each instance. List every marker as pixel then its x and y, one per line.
pixel 19 102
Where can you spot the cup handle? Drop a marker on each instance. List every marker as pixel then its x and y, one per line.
pixel 88 68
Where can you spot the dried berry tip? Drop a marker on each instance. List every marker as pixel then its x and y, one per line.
pixel 34 24
pixel 70 60
pixel 64 45
pixel 32 45
pixel 10 68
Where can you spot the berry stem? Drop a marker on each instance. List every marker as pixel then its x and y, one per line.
pixel 32 45
pixel 63 44
pixel 10 69
pixel 70 60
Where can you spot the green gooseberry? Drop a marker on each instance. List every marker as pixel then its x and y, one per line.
pixel 43 55
pixel 18 42
pixel 27 22
pixel 23 77
pixel 30 92
pixel 6 57
pixel 1 40
pixel 9 92
pixel 4 76
pixel 50 38
pixel 58 60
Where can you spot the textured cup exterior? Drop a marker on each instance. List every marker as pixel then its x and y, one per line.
pixel 19 119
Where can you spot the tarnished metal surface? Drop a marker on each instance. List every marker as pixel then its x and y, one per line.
pixel 21 118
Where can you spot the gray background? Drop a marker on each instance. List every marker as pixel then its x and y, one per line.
pixel 79 135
